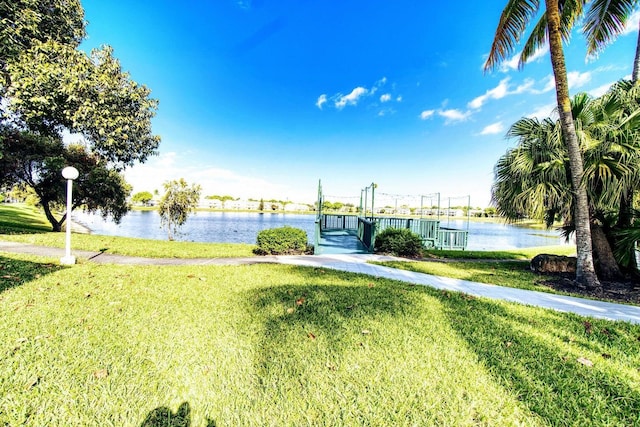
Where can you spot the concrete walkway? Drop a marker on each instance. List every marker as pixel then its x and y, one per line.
pixel 358 263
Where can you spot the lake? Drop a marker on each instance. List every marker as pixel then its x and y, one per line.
pixel 243 227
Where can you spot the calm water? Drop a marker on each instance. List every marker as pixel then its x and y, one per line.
pixel 243 227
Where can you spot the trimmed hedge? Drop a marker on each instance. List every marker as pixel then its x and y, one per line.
pixel 282 241
pixel 399 242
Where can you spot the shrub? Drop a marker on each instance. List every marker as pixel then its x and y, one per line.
pixel 281 241
pixel 399 242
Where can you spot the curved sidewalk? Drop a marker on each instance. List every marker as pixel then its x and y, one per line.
pixel 359 264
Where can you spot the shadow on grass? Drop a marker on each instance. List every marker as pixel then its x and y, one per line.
pixel 21 220
pixel 523 353
pixel 328 312
pixel 15 272
pixel 164 417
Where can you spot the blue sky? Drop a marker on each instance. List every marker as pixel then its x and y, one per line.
pixel 260 99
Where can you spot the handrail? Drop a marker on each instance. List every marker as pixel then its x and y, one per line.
pixel 367 233
pixel 338 222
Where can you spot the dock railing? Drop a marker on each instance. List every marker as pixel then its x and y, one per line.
pixel 427 229
pixel 449 238
pixel 338 222
pixel 367 233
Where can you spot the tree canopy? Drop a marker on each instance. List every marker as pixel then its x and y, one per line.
pixel 25 22
pixel 143 197
pixel 36 161
pixel 49 89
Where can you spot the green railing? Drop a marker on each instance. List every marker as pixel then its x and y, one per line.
pixel 316 243
pixel 367 233
pixel 452 239
pixel 427 229
pixel 338 222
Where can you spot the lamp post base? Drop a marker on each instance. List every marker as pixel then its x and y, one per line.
pixel 68 260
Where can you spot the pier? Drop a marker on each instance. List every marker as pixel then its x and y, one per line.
pixel 355 232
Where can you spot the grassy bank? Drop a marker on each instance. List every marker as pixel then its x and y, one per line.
pixel 284 345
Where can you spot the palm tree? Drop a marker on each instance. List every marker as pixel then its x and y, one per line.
pixel 604 20
pixel 533 179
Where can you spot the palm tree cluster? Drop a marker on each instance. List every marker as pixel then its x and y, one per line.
pixel 603 20
pixel 533 179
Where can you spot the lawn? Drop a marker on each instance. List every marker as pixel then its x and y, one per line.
pixel 513 274
pixel 281 345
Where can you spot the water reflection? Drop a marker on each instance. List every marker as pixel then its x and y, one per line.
pixel 243 227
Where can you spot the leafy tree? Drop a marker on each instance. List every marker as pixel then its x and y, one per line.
pixel 178 202
pixel 55 87
pixel 27 21
pixel 261 205
pixel 37 161
pixel 49 87
pixel 143 197
pixel 603 21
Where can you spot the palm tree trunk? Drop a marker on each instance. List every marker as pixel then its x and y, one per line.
pixel 585 271
pixel 608 268
pixel 636 62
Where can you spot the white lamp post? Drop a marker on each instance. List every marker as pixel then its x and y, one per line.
pixel 69 173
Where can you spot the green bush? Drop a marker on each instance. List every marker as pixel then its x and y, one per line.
pixel 282 241
pixel 399 242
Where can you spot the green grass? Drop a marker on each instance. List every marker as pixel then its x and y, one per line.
pixel 513 274
pixel 136 247
pixel 18 218
pixel 513 254
pixel 287 346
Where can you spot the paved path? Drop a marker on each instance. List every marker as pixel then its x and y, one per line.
pixel 358 263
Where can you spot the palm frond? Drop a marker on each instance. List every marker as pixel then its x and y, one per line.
pixel 514 20
pixel 537 39
pixel 604 20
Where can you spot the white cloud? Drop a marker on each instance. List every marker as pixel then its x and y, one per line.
pixel 352 98
pixel 632 24
pixel 501 91
pixel 493 129
pixel 577 79
pixel 151 175
pixel 512 64
pixel 358 94
pixel 322 99
pixel 544 111
pixel 527 86
pixel 453 115
pixel 167 159
pixel 539 53
pixel 426 114
pixel 600 90
pixel 497 92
